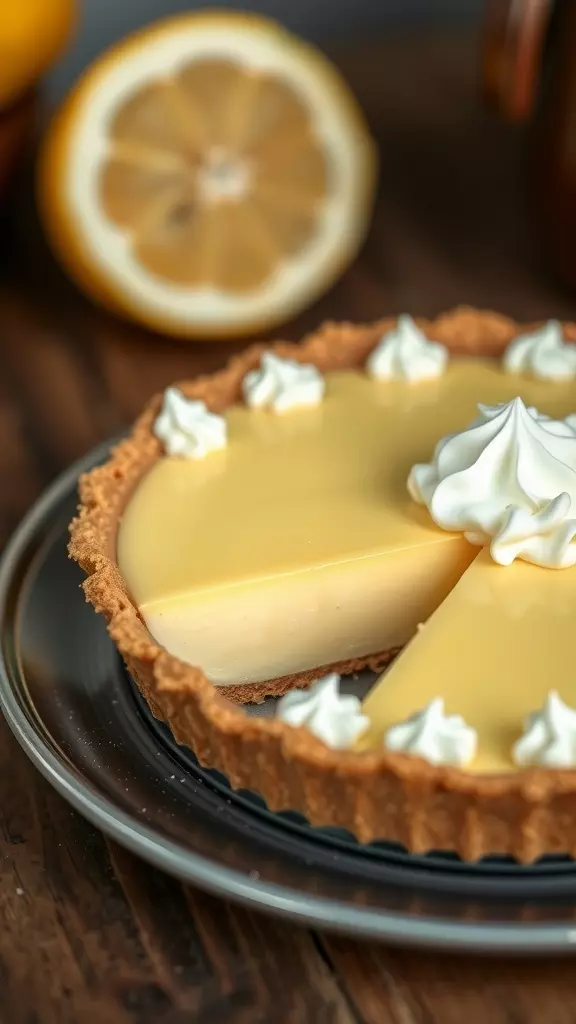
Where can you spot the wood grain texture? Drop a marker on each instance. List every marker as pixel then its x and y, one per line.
pixel 89 933
pixel 398 987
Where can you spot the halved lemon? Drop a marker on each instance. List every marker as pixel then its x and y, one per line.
pixel 209 176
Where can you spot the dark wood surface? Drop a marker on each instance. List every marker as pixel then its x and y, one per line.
pixel 87 932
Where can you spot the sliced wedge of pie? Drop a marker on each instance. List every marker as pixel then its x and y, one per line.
pixel 256 531
pixel 493 649
pixel 297 546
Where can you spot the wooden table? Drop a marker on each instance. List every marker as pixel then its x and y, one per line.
pixel 88 933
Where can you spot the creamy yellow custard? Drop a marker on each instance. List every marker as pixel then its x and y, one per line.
pixel 493 650
pixel 298 545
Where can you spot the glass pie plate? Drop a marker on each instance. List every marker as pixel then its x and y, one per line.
pixel 76 713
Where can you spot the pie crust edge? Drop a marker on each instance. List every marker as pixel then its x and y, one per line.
pixel 375 795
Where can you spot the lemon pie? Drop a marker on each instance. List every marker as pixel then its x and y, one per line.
pixel 309 511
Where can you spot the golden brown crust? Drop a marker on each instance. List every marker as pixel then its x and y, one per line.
pixel 376 795
pixel 255 693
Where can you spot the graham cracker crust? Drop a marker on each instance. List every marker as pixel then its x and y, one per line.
pixel 375 795
pixel 255 693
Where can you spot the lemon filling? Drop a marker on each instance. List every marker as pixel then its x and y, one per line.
pixel 296 546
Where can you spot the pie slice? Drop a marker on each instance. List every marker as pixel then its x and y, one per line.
pixel 296 547
pixel 493 649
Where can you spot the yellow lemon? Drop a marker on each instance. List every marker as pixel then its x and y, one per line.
pixel 32 34
pixel 209 176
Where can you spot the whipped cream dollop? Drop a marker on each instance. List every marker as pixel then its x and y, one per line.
pixel 549 736
pixel 405 353
pixel 542 353
pixel 543 538
pixel 435 736
pixel 282 384
pixel 564 428
pixel 187 428
pixel 333 717
pixel 509 457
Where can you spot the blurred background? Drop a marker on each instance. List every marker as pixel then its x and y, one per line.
pixel 460 213
pixel 322 21
pixel 470 106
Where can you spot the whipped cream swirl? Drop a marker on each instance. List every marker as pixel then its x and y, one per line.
pixel 435 736
pixel 187 428
pixel 509 457
pixel 564 428
pixel 542 354
pixel 332 717
pixel 543 538
pixel 405 353
pixel 282 384
pixel 549 736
